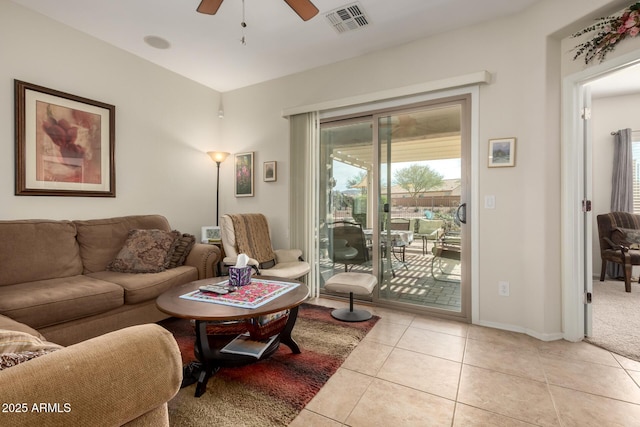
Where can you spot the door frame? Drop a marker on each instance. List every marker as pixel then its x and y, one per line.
pixel 575 319
pixel 473 212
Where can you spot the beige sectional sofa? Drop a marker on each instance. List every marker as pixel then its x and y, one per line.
pixel 53 276
pixel 125 377
pixel 116 368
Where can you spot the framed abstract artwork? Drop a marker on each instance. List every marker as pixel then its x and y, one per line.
pixel 65 144
pixel 502 152
pixel 270 171
pixel 244 174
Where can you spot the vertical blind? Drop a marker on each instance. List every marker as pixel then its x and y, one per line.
pixel 635 152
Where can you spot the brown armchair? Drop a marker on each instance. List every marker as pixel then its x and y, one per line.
pixel 619 234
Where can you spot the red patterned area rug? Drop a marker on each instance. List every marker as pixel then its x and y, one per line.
pixel 271 392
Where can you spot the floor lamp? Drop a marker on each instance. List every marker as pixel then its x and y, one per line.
pixel 218 157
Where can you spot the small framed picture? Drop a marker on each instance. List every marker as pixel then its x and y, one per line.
pixel 502 152
pixel 270 171
pixel 244 174
pixel 211 234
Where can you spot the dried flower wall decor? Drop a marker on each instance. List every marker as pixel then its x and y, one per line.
pixel 609 31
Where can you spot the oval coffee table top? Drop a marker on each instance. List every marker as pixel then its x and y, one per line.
pixel 171 303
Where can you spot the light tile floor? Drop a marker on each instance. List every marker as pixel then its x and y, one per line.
pixel 413 370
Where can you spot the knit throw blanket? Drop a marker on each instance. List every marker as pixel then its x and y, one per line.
pixel 252 237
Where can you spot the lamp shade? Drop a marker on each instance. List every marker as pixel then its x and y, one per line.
pixel 218 156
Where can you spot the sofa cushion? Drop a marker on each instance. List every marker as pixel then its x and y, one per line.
pixel 145 251
pixel 100 240
pixel 37 250
pixel 18 347
pixel 49 302
pixel 144 287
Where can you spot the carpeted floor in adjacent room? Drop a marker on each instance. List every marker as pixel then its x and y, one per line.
pixel 616 318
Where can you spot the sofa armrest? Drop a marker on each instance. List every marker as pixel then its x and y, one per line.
pixel 113 379
pixel 205 258
pixel 11 325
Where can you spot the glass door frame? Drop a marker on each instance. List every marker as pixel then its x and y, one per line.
pixel 465 103
pixel 470 95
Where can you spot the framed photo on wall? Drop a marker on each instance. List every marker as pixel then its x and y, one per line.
pixel 270 171
pixel 64 144
pixel 502 152
pixel 244 174
pixel 211 234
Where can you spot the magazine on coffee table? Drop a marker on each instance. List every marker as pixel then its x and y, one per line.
pixel 253 295
pixel 243 344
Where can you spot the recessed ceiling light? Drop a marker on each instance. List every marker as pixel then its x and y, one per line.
pixel 157 42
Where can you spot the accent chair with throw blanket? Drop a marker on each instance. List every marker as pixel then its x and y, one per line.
pixel 249 234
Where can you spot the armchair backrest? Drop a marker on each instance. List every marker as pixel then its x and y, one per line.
pixel 249 234
pixel 607 223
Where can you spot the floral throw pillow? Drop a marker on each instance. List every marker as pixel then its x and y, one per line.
pixel 145 251
pixel 18 347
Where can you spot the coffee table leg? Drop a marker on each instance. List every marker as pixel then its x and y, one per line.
pixel 206 356
pixel 285 335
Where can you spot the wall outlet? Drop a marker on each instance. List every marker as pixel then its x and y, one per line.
pixel 503 288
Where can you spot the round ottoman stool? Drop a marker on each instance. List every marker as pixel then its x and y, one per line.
pixel 353 283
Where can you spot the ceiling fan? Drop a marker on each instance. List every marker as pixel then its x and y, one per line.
pixel 304 8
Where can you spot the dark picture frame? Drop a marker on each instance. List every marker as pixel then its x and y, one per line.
pixel 244 174
pixel 64 144
pixel 270 171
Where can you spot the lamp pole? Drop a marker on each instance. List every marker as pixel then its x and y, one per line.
pixel 217 193
pixel 218 157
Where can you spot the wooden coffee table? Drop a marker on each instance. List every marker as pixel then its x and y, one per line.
pixel 207 347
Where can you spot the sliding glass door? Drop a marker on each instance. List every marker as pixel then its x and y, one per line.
pixel 394 185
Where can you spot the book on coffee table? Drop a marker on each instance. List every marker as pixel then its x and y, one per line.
pixel 243 344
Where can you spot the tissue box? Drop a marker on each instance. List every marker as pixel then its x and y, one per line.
pixel 239 276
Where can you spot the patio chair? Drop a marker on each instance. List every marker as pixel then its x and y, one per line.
pixel 446 247
pixel 427 229
pixel 249 234
pixel 349 244
pixel 399 246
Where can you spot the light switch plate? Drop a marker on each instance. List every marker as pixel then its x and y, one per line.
pixel 490 202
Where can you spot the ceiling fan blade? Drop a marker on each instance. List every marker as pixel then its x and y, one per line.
pixel 304 8
pixel 210 7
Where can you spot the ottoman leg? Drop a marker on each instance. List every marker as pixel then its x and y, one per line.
pixel 351 315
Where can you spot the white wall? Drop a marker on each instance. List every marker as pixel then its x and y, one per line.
pixel 520 239
pixel 609 115
pixel 164 124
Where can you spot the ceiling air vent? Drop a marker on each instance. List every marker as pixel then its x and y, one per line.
pixel 347 18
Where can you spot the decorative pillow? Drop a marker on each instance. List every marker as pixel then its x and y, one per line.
pixel 145 251
pixel 181 248
pixel 17 347
pixel 628 237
